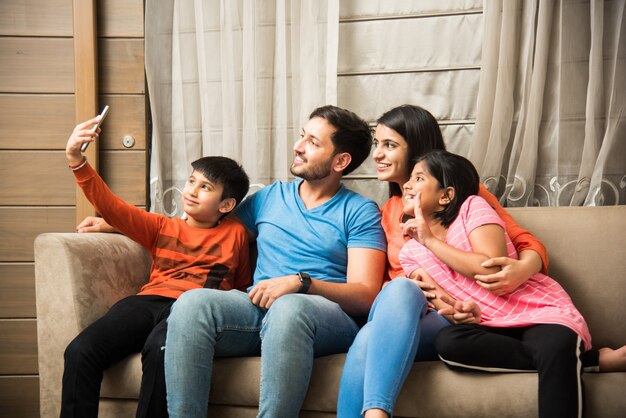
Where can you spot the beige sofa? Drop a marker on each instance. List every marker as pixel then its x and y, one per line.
pixel 78 276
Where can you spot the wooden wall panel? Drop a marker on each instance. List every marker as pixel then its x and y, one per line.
pixel 37 113
pixel 121 68
pixel 125 173
pixel 36 178
pixel 18 346
pixel 127 116
pixel 19 396
pixel 17 290
pixel 19 226
pixel 36 18
pixel 45 121
pixel 120 18
pixel 36 65
pixel 35 121
pixel 85 82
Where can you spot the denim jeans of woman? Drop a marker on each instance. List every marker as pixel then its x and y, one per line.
pixel 207 323
pixel 400 330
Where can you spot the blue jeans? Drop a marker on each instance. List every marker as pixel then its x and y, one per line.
pixel 399 331
pixel 208 323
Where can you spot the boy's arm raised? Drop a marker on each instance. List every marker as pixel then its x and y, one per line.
pixel 139 225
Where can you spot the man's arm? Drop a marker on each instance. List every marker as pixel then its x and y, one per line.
pixel 366 267
pixel 364 278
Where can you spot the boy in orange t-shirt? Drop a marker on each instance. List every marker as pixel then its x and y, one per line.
pixel 203 250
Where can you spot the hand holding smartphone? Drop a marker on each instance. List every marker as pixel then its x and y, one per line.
pixel 102 115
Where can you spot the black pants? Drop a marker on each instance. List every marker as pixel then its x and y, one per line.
pixel 552 350
pixel 134 324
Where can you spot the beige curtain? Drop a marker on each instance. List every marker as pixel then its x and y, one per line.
pixel 236 78
pixel 551 116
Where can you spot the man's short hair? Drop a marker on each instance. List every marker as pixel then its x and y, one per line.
pixel 352 135
pixel 224 171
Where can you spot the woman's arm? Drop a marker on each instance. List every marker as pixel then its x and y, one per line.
pixel 514 273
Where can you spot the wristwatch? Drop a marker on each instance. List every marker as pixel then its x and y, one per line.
pixel 305 282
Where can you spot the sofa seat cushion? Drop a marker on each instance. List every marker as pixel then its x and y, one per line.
pixel 123 379
pixel 235 382
pixel 467 392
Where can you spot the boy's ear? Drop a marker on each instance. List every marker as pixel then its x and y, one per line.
pixel 447 196
pixel 227 205
pixel 342 160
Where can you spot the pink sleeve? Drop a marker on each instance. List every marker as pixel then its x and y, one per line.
pixel 409 255
pixel 476 212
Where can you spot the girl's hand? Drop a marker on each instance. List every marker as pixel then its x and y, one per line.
pixel 467 312
pixel 82 133
pixel 417 228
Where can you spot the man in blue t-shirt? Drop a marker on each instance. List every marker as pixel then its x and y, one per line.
pixel 321 257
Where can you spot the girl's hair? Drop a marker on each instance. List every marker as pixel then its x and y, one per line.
pixel 420 130
pixel 451 170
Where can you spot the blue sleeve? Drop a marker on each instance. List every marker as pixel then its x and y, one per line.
pixel 365 228
pixel 248 209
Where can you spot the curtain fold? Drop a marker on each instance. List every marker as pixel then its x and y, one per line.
pixel 239 78
pixel 551 122
pixel 236 78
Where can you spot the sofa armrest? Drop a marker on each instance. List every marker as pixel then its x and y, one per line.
pixel 77 279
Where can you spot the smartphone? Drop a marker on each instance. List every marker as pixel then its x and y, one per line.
pixel 102 115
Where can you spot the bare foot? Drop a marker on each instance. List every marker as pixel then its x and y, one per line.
pixel 612 360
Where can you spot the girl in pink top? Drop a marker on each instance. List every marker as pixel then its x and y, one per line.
pixel 536 327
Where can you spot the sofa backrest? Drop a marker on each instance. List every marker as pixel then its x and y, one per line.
pixel 588 258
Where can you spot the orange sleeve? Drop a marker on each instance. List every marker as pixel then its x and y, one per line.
pixel 522 239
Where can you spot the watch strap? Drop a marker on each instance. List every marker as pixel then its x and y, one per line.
pixel 305 282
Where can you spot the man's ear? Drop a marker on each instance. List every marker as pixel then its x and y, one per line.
pixel 447 196
pixel 227 205
pixel 342 160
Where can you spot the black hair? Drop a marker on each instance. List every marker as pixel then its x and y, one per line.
pixel 420 130
pixel 227 172
pixel 352 135
pixel 451 170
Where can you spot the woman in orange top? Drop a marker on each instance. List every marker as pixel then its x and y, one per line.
pixel 401 329
pixel 406 132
